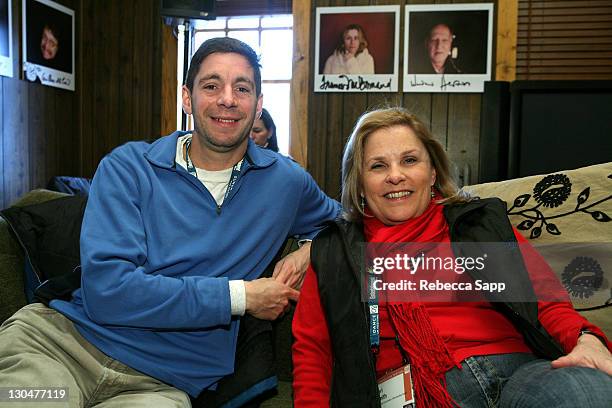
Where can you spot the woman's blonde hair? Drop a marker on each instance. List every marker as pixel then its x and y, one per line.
pixel 353 157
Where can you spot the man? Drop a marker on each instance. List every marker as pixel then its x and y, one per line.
pixel 175 237
pixel 439 44
pixel 49 43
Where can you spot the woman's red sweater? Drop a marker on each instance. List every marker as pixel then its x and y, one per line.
pixel 468 329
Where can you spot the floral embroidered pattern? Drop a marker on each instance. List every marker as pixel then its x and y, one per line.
pixel 552 191
pixel 582 277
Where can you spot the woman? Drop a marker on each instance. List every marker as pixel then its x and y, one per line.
pixel 351 55
pixel 263 132
pixel 397 188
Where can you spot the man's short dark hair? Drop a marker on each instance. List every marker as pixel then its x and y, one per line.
pixel 223 45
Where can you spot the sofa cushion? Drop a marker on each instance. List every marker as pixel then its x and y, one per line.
pixel 566 216
pixel 70 185
pixel 49 234
pixel 12 296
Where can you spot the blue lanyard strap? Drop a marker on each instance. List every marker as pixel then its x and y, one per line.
pixel 233 178
pixel 375 321
pixel 374 317
pixel 190 167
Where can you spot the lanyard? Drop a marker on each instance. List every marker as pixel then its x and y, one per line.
pixel 233 178
pixel 375 320
pixel 374 317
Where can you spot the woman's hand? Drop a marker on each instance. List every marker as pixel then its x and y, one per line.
pixel 291 269
pixel 589 352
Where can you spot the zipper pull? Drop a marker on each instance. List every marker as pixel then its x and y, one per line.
pixel 218 209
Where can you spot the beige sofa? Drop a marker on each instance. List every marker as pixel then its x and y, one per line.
pixel 566 216
pixel 570 208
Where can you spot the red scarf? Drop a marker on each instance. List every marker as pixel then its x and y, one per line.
pixel 429 357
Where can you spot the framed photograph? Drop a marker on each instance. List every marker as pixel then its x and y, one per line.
pixel 48 43
pixel 6 39
pixel 357 49
pixel 448 47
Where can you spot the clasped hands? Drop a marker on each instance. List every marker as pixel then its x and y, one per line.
pixel 268 298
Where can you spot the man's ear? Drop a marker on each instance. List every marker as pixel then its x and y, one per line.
pixel 186 96
pixel 259 106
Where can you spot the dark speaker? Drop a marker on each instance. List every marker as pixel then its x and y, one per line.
pixel 494 132
pixel 190 9
pixel 559 125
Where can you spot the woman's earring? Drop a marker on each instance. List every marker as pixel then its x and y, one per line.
pixel 362 203
pixel 433 194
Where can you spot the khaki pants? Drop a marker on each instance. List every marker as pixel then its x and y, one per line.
pixel 40 348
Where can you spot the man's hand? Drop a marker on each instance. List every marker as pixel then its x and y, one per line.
pixel 589 352
pixel 267 298
pixel 291 269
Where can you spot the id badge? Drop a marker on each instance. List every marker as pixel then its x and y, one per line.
pixel 395 388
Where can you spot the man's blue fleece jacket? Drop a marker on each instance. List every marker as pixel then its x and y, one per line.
pixel 157 255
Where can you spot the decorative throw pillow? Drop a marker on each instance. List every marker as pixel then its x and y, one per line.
pixel 566 216
pixel 49 234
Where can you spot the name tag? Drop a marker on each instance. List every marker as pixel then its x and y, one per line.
pixel 395 388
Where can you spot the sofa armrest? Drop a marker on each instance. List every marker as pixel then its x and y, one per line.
pixel 37 196
pixel 12 295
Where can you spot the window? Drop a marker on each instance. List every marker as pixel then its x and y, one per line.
pixel 272 38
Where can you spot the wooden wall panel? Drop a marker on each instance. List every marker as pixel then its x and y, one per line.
pixel 15 141
pixel 120 100
pixel 334 136
pixel 85 91
pixel 118 95
pixel 126 66
pixel 454 119
pixel 420 104
pixel 317 138
pixel 65 152
pixel 464 134
pixel 143 71
pixel 439 116
pixel 37 122
pixel 318 109
pixel 505 44
pixel 168 81
pixel 109 89
pixel 300 81
pixel 48 132
pixel 2 148
pixel 36 132
pixel 49 144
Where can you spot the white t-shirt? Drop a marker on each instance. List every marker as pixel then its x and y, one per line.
pixel 216 181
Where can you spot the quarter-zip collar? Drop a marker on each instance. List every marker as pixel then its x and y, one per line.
pixel 162 153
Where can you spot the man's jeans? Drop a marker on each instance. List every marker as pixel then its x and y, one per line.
pixel 522 380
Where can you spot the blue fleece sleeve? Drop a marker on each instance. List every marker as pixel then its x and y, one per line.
pixel 315 209
pixel 117 289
